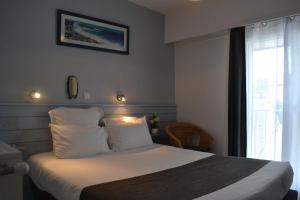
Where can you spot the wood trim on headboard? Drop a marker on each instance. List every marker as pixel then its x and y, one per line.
pixel 26 125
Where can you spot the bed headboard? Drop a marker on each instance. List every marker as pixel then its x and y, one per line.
pixel 26 125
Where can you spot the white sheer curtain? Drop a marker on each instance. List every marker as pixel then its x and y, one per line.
pixel 265 66
pixel 273 91
pixel 291 105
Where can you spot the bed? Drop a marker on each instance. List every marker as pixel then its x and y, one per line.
pixel 120 161
pixel 68 179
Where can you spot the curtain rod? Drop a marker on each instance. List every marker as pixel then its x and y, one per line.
pixel 274 19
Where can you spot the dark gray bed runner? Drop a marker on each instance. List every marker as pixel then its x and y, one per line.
pixel 181 183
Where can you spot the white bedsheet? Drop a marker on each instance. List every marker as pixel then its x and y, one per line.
pixel 65 178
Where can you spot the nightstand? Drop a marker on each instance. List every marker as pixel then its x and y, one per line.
pixel 11 170
pixel 161 138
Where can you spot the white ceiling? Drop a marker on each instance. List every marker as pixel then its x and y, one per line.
pixel 162 6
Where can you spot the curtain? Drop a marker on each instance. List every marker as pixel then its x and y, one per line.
pixel 237 94
pixel 291 105
pixel 273 91
pixel 265 65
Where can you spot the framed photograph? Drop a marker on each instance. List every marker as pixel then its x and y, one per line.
pixel 81 31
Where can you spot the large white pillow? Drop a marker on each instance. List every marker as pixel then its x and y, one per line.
pixel 124 120
pixel 71 141
pixel 128 136
pixel 76 116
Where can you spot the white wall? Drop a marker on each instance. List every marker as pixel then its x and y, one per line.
pixel 209 16
pixel 30 58
pixel 201 76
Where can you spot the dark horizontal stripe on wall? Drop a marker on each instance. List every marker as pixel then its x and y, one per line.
pixel 37 110
pixel 27 126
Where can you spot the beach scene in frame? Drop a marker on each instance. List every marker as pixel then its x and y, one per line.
pixel 86 32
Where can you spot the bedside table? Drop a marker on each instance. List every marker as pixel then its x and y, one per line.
pixel 161 139
pixel 11 170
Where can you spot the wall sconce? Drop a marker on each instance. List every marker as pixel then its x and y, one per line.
pixel 72 87
pixel 35 95
pixel 121 98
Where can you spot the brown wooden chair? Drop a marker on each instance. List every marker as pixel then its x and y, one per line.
pixel 189 136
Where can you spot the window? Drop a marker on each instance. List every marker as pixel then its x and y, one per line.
pixel 266 98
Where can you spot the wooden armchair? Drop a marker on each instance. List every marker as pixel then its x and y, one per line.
pixel 189 136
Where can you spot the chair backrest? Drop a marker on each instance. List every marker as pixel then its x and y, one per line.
pixel 181 133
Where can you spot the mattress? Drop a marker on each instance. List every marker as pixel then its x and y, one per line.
pixel 66 178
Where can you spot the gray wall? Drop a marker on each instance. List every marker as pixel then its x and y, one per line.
pixel 30 59
pixel 201 82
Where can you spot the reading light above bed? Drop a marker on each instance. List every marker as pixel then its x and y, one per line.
pixel 121 97
pixel 35 95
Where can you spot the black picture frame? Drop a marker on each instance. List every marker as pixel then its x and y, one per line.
pixel 114 38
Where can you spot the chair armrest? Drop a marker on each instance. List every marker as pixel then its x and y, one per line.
pixel 175 141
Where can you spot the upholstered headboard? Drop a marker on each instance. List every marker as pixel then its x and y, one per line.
pixel 26 125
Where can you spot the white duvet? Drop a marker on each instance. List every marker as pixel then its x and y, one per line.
pixel 65 178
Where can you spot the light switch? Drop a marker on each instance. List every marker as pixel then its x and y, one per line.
pixel 86 95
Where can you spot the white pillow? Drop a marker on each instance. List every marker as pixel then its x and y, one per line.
pixel 128 136
pixel 76 116
pixel 124 120
pixel 71 141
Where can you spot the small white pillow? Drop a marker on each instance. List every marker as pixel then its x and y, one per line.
pixel 71 141
pixel 128 136
pixel 124 120
pixel 76 116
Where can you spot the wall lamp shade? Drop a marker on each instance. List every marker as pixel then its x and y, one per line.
pixel 72 87
pixel 121 98
pixel 35 95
